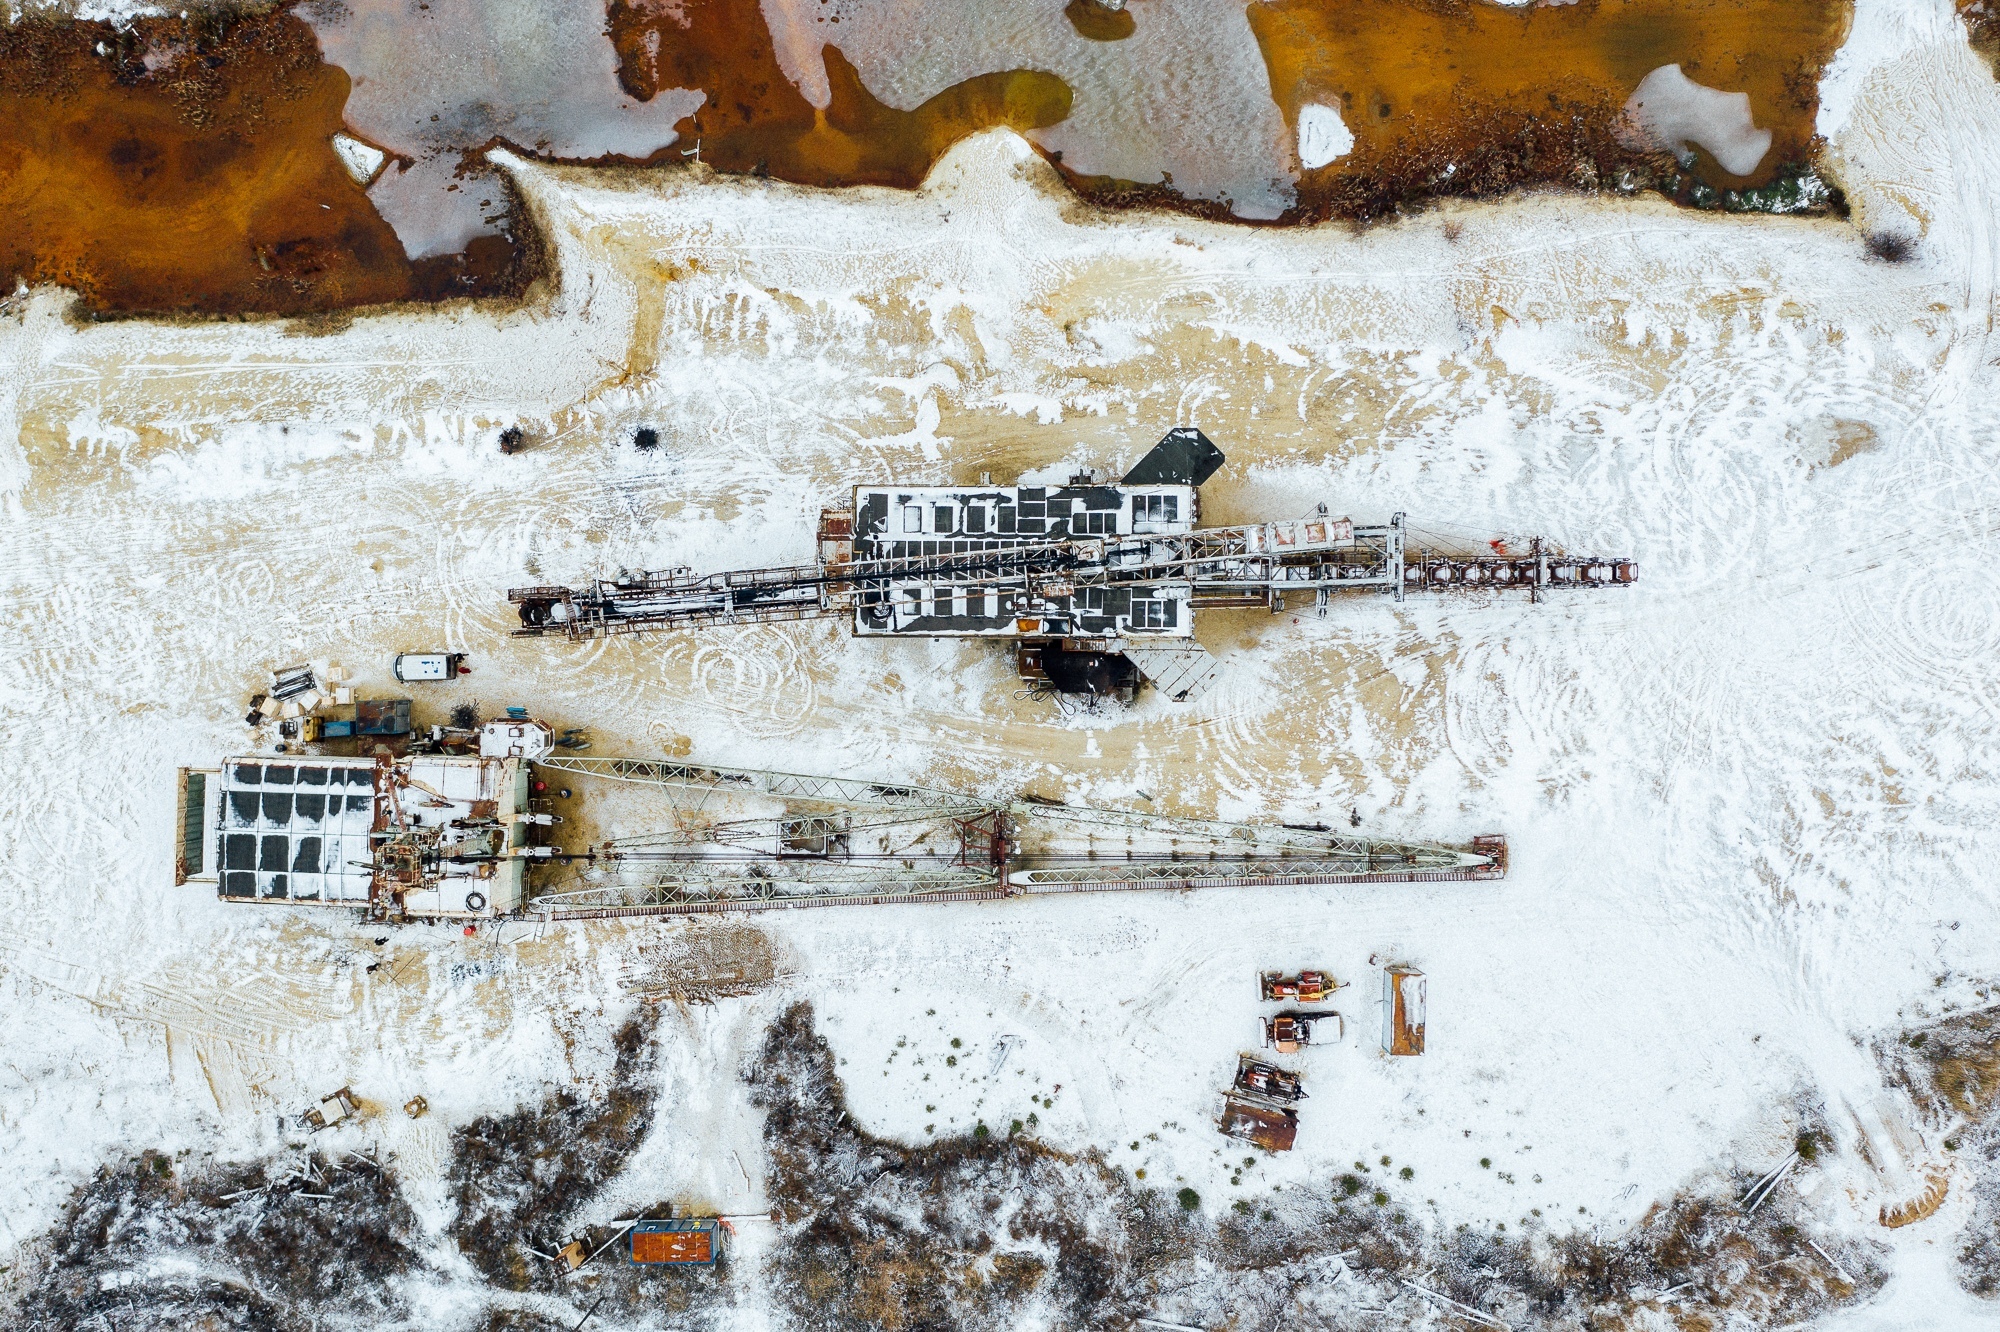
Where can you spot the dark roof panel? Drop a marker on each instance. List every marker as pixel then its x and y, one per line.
pixel 1183 457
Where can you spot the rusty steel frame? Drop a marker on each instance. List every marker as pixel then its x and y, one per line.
pixel 710 869
pixel 1222 566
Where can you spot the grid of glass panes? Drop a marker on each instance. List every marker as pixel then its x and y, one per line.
pixel 296 830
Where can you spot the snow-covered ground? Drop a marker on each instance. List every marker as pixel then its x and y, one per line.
pixel 1752 802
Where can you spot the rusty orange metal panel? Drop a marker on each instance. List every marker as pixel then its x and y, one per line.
pixel 673 1246
pixel 1404 1000
pixel 1266 1126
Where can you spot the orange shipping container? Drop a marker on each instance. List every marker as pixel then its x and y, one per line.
pixel 1403 1011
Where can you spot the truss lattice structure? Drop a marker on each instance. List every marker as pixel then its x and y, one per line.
pixel 1255 564
pixel 844 841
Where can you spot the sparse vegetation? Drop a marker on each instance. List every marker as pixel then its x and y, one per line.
pixel 310 1242
pixel 875 1235
pixel 980 1231
pixel 1891 247
pixel 1953 1069
pixel 276 1249
pixel 530 1172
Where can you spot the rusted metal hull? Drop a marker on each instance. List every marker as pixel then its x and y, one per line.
pixel 1272 1127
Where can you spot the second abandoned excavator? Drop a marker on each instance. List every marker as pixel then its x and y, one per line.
pixel 1094 583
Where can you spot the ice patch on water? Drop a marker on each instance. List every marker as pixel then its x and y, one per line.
pixel 796 39
pixel 430 83
pixel 1187 96
pixel 1669 111
pixel 361 160
pixel 431 210
pixel 1323 136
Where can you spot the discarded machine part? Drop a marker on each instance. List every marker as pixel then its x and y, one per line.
pixel 1085 574
pixel 1403 1002
pixel 291 682
pixel 382 716
pixel 415 1107
pixel 1308 987
pixel 411 667
pixel 694 1241
pixel 332 1109
pixel 1272 1127
pixel 1255 1076
pixel 1289 1033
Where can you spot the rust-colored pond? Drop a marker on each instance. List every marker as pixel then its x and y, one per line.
pixel 331 153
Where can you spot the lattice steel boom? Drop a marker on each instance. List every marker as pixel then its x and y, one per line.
pixel 843 841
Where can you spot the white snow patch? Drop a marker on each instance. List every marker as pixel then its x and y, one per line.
pixel 1323 136
pixel 362 160
pixel 1883 31
pixel 1668 111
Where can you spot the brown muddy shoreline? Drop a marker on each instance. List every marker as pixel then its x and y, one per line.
pixel 185 166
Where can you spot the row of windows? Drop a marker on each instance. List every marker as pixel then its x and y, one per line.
pixel 977 519
pixel 913 603
pixel 352 810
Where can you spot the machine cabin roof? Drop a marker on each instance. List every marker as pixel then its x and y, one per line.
pixel 971 598
pixel 431 833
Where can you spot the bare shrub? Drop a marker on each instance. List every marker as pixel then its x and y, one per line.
pixel 986 1233
pixel 533 1169
pixel 268 1252
pixel 1953 1068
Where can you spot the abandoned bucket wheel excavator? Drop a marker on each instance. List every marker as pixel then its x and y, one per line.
pixel 465 837
pixel 1095 583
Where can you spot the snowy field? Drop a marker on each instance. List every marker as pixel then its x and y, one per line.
pixel 1752 802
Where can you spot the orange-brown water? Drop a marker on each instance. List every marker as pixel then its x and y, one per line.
pixel 207 184
pixel 1469 97
pixel 189 167
pixel 755 120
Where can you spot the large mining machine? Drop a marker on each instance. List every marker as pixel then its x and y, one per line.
pixel 1095 583
pixel 493 834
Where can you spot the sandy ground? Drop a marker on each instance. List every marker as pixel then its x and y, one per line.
pixel 1752 804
